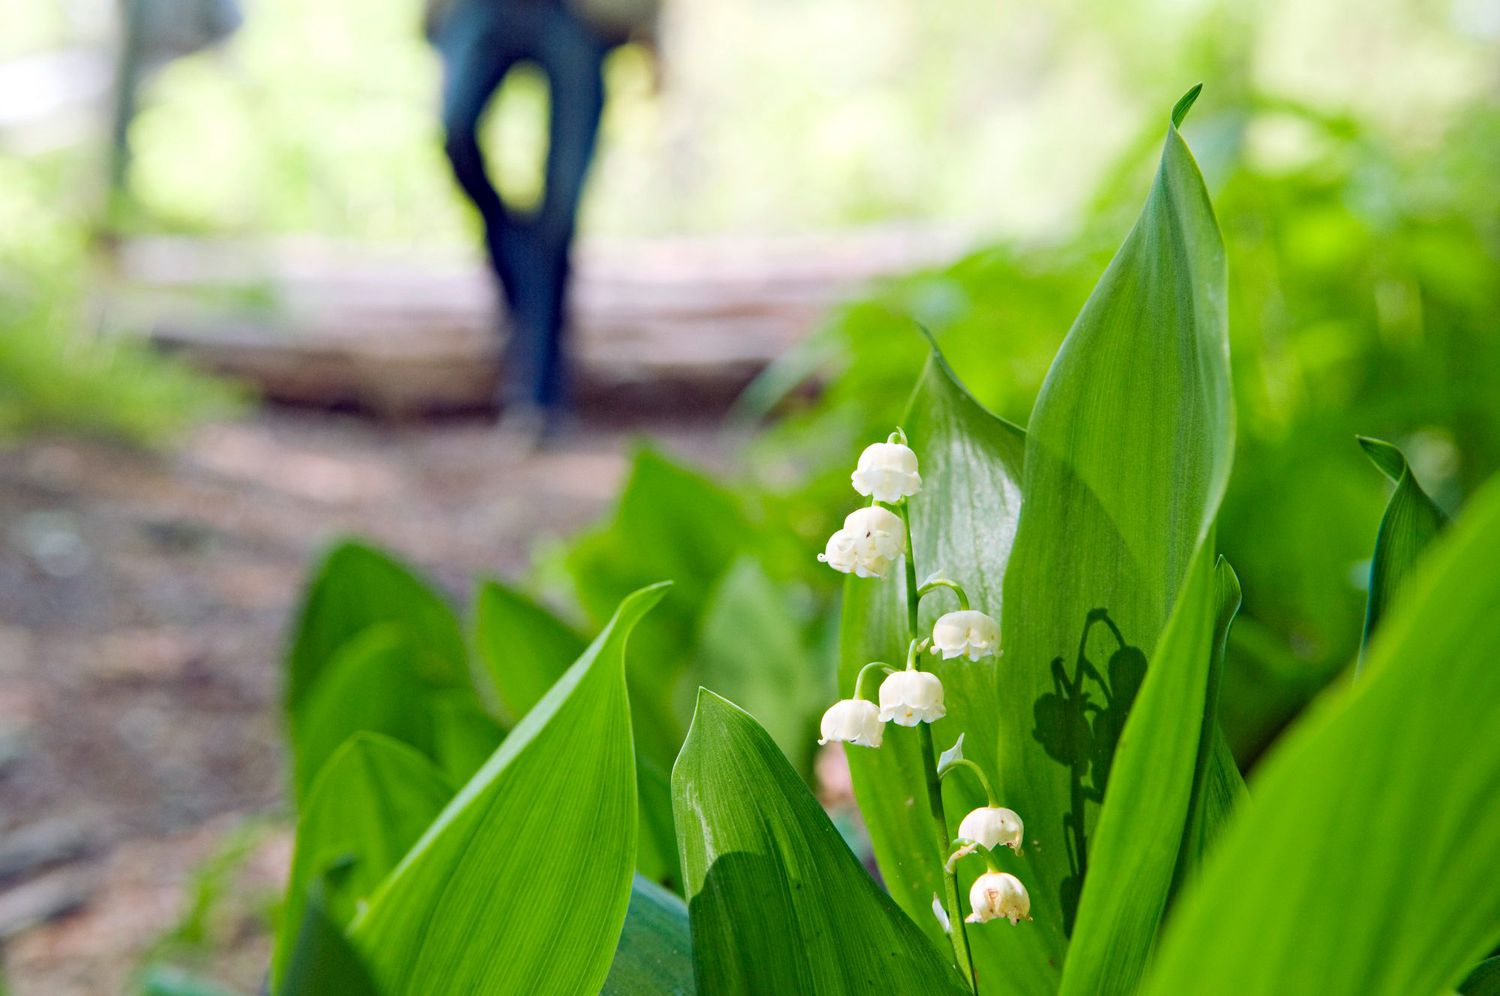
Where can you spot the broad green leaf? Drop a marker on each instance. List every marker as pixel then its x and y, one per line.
pixel 1127 453
pixel 521 885
pixel 1144 819
pixel 777 901
pixel 1358 863
pixel 963 522
pixel 524 647
pixel 373 800
pixel 1410 523
pixel 373 684
pixel 655 953
pixel 357 587
pixel 750 651
pixel 323 962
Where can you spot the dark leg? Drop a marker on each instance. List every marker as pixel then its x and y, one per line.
pixel 572 57
pixel 475 60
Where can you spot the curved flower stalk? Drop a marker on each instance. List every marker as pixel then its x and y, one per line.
pixel 870 542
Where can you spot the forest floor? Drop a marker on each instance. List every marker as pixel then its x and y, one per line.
pixel 144 603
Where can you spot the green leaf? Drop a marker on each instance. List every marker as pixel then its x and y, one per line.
pixel 372 802
pixel 750 651
pixel 1143 822
pixel 373 684
pixel 524 647
pixel 1410 523
pixel 963 523
pixel 521 885
pixel 357 587
pixel 1127 454
pixel 777 901
pixel 1351 868
pixel 655 953
pixel 323 962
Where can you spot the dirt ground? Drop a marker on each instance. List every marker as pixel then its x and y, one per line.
pixel 144 602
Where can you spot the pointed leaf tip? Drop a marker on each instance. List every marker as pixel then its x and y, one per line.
pixel 1386 456
pixel 1180 110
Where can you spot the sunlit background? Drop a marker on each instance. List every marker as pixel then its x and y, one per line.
pixel 779 195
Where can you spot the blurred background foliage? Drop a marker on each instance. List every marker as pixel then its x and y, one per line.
pixel 1349 148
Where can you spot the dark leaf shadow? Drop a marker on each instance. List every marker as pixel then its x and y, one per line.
pixel 1081 732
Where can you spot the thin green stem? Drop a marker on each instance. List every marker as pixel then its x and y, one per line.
pixel 859 681
pixel 936 583
pixel 978 773
pixel 956 930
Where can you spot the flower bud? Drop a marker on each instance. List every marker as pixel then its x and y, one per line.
pixel 911 697
pixel 887 472
pixel 872 538
pixel 968 633
pixel 996 896
pixel 853 721
pixel 992 826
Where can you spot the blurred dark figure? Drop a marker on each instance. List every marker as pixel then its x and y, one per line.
pixel 480 41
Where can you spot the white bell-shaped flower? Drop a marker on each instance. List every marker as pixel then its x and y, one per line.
pixel 967 633
pixel 887 472
pixel 991 827
pixel 853 721
pixel 998 896
pixel 911 697
pixel 840 553
pixel 871 540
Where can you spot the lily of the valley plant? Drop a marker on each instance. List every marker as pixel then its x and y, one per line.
pixel 870 543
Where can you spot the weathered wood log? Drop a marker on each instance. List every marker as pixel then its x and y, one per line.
pixel 671 323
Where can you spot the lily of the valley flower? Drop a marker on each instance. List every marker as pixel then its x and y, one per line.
pixel 998 896
pixel 853 721
pixel 871 540
pixel 911 697
pixel 991 827
pixel 887 472
pixel 966 633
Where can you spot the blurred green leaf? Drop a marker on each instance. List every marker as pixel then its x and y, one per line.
pixel 1143 822
pixel 778 903
pixel 374 799
pixel 357 587
pixel 1127 455
pixel 674 523
pixel 655 953
pixel 521 885
pixel 750 651
pixel 323 962
pixel 372 684
pixel 963 523
pixel 1410 523
pixel 1351 867
pixel 524 647
pixel 656 847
